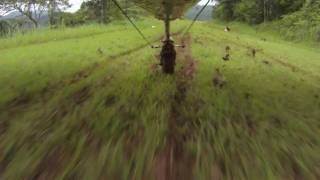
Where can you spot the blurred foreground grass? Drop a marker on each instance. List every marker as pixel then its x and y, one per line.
pixel 88 103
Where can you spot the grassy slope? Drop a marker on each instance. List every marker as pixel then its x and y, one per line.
pixel 265 122
pixel 36 61
pixel 107 115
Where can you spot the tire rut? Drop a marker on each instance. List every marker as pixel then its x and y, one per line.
pixel 173 162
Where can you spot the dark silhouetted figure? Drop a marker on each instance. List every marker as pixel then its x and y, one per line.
pixel 168 57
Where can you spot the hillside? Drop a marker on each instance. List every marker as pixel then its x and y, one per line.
pixel 25 22
pixel 206 15
pixel 91 103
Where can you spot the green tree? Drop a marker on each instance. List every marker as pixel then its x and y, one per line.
pixel 55 6
pixel 105 11
pixel 31 9
pixel 255 11
pixel 303 24
pixel 4 28
pixel 225 9
pixel 34 9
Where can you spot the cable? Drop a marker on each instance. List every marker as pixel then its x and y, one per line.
pixel 133 24
pixel 196 17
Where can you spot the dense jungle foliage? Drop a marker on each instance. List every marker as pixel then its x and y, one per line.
pixel 294 19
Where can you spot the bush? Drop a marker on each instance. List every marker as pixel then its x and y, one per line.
pixel 5 28
pixel 255 11
pixel 9 27
pixel 304 24
pixel 69 19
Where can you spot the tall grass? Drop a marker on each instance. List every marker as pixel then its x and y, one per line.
pixel 263 123
pixel 108 110
pixel 36 66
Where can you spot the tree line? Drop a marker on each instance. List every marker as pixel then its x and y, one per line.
pixel 34 9
pixel 256 11
pixel 295 19
pixel 92 11
pixel 100 11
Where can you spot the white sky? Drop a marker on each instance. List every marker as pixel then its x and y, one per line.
pixel 77 3
pixel 203 2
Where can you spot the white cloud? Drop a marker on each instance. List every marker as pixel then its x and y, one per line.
pixel 2 13
pixel 75 5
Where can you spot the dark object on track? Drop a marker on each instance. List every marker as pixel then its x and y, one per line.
pixel 167 11
pixel 227 56
pixel 247 95
pixel 254 52
pixel 227 29
pixel 168 57
pixel 266 62
pixel 218 79
pixel 228 49
pixel 99 51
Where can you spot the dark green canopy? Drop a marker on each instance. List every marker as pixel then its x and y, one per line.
pixel 163 9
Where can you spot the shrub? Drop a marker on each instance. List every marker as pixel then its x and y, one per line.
pixel 5 28
pixel 304 24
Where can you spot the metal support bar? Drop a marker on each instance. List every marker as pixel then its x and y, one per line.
pixel 133 24
pixel 167 27
pixel 196 17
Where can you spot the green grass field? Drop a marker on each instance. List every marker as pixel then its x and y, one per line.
pixel 90 103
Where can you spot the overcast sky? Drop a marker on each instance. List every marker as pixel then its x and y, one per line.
pixel 77 3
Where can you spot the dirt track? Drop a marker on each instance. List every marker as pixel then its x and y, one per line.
pixel 173 162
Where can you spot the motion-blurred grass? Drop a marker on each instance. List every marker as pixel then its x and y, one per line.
pixel 106 112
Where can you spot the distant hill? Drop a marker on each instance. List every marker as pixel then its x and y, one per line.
pixel 11 15
pixel 15 15
pixel 205 16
